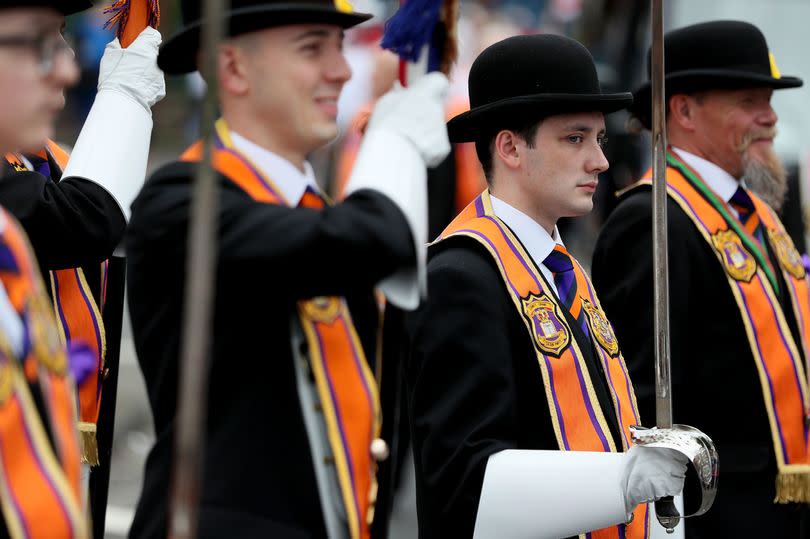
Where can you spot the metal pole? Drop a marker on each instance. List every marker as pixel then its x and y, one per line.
pixel 665 509
pixel 198 302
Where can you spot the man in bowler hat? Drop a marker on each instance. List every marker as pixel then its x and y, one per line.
pixel 519 404
pixel 738 289
pixel 292 433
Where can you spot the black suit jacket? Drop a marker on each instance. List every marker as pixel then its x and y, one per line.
pixel 70 222
pixel 258 473
pixel 715 383
pixel 474 385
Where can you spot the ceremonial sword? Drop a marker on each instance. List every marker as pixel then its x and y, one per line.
pixel 665 509
pixel 195 346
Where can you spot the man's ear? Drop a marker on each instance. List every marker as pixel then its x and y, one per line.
pixel 232 70
pixel 506 148
pixel 682 109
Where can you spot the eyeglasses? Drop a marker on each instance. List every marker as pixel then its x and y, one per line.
pixel 45 46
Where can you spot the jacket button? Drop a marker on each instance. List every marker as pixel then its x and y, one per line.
pixel 379 450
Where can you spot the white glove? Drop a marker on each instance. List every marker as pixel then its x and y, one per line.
pixel 650 473
pixel 133 71
pixel 416 113
pixel 405 133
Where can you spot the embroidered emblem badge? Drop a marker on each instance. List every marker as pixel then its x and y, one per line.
pixel 45 342
pixel 737 260
pixel 551 335
pixel 601 328
pixel 786 252
pixel 321 309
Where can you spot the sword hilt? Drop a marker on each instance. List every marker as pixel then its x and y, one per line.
pixel 667 514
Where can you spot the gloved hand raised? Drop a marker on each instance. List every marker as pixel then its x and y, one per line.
pixel 417 114
pixel 133 71
pixel 650 473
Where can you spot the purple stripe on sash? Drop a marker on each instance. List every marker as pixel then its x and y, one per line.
pixel 479 207
pixel 360 372
pixel 548 364
pixel 560 419
pixel 255 173
pixel 588 406
pixel 15 499
pixel 586 398
pixel 59 307
pixel 768 374
pixel 796 379
pixel 798 311
pixel 36 455
pixel 339 421
pixel 606 359
pixel 96 329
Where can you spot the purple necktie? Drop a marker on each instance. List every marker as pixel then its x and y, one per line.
pixel 561 266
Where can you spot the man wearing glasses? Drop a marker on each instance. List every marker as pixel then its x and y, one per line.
pixel 39 451
pixel 75 213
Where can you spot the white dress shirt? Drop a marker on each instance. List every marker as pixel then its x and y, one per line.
pixel 536 239
pixel 290 181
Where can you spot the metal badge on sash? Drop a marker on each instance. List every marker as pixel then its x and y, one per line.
pixel 600 328
pixel 786 252
pixel 739 263
pixel 551 334
pixel 321 309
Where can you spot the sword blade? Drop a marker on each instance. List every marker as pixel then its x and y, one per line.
pixel 665 510
pixel 198 301
pixel 663 389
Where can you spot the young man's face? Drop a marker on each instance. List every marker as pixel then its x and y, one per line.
pixel 296 74
pixel 561 170
pixel 31 91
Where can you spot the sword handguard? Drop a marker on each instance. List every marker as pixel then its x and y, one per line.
pixel 701 452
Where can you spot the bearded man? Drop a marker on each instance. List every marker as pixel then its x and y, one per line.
pixel 739 314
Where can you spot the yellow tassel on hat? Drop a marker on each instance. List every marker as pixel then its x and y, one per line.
pixel 774 69
pixel 344 6
pixel 793 487
pixel 88 443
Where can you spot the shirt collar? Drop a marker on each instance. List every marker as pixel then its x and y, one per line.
pixel 290 181
pixel 718 180
pixel 534 237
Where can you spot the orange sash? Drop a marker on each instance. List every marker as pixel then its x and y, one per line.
pixel 578 419
pixel 775 351
pixel 79 321
pixel 40 490
pixel 345 384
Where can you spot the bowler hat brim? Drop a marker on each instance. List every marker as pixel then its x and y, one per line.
pixel 179 54
pixel 697 80
pixel 481 121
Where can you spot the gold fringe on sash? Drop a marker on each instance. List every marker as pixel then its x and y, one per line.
pixel 793 486
pixel 88 443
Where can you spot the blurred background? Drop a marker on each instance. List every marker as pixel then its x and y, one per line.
pixel 616 32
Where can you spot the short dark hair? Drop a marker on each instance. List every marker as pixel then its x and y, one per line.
pixel 484 145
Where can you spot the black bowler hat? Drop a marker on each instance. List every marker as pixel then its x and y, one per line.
pixel 530 77
pixel 714 55
pixel 65 7
pixel 179 54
